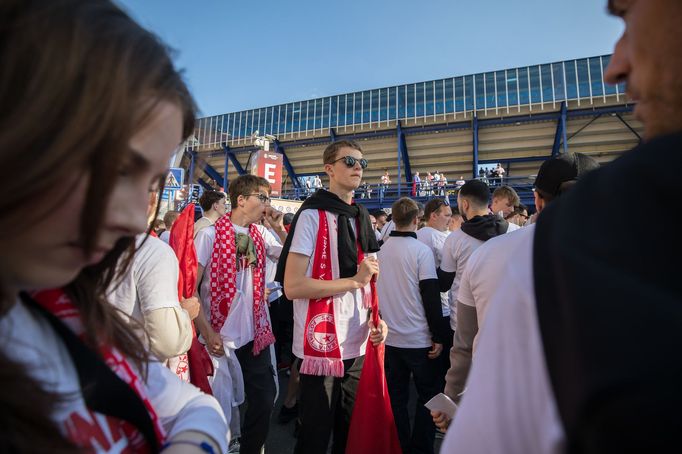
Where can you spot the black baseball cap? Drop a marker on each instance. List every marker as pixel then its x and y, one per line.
pixel 566 167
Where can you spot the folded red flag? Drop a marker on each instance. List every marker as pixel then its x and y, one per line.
pixel 182 242
pixel 372 427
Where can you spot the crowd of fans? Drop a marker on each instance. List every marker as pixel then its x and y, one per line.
pixel 554 333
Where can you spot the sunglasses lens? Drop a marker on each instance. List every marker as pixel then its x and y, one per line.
pixel 363 163
pixel 349 161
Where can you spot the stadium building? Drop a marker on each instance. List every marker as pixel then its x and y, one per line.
pixel 517 117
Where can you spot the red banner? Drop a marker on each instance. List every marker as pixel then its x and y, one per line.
pixel 268 165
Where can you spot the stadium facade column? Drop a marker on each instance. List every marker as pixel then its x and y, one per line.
pixel 287 164
pixel 226 180
pixel 560 134
pixel 332 134
pixel 192 162
pixel 474 129
pixel 234 160
pixel 403 158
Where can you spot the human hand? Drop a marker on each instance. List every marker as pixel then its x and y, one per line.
pixel 377 336
pixel 191 305
pixel 275 218
pixel 214 343
pixel 368 268
pixel 436 350
pixel 441 420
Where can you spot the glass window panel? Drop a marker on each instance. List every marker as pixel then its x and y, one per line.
pixel 547 89
pixel 428 101
pixel 459 94
pixel 349 109
pixel 524 93
pixel 480 91
pixel 411 104
pixel 490 90
pixel 500 82
pixel 583 79
pixel 511 87
pixel 571 83
pixel 359 111
pixel 366 106
pixel 326 102
pixel 392 99
pixel 261 120
pixel 449 95
pixel 597 78
pixel 375 106
pixel 558 72
pixel 469 87
pixel 295 112
pixel 419 100
pixel 610 89
pixel 534 74
pixel 333 120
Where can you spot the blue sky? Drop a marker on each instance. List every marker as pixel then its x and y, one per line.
pixel 237 54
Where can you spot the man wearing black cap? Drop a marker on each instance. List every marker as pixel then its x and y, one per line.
pixel 486 267
pixel 601 331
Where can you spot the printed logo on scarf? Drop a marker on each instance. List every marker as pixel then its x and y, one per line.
pixel 320 333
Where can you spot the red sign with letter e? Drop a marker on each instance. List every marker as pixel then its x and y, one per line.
pixel 269 166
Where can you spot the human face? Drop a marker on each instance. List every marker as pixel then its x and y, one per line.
pixel 501 204
pixel 49 253
pixel 251 208
pixel 648 57
pixel 220 207
pixel 441 218
pixel 373 220
pixel 455 223
pixel 342 177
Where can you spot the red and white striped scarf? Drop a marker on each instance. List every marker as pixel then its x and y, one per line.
pixel 58 303
pixel 223 277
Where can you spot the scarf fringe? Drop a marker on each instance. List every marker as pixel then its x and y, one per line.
pixel 366 299
pixel 260 343
pixel 329 367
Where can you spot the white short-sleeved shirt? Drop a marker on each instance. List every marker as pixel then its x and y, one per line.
pixel 204 245
pixel 351 318
pixel 509 405
pixel 404 262
pixel 30 340
pixel 482 274
pixel 457 249
pixel 152 282
pixel 435 239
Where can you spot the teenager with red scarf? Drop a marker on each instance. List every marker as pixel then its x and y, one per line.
pixel 326 266
pixel 232 257
pixel 93 112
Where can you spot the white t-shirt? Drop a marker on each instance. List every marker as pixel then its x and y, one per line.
pixel 351 319
pixel 386 231
pixel 404 262
pixel 29 339
pixel 482 274
pixel 435 239
pixel 152 282
pixel 204 245
pixel 457 249
pixel 509 405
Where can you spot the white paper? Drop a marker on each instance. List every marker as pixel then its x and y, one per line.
pixel 442 403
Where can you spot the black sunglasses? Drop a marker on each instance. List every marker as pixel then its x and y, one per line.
pixel 350 161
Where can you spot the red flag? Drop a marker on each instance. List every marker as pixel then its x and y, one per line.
pixel 372 427
pixel 182 242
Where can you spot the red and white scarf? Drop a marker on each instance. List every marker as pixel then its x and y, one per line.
pixel 60 305
pixel 321 351
pixel 224 281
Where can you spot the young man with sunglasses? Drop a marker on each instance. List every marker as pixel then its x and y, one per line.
pixel 232 257
pixel 326 267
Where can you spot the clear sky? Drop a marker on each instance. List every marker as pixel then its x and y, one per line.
pixel 239 54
